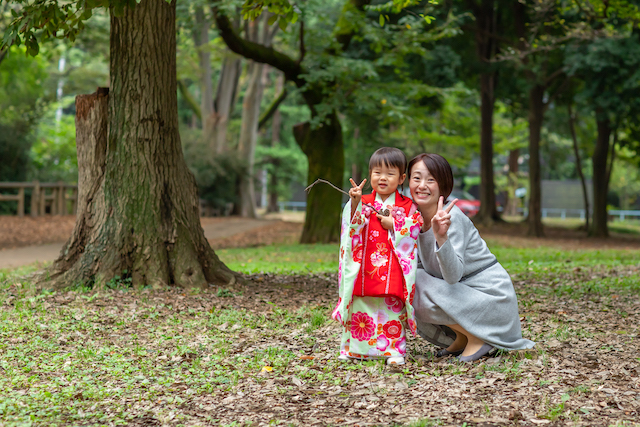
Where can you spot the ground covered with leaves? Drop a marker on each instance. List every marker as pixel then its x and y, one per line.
pixel 265 353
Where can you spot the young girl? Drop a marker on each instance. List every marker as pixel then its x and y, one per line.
pixel 378 261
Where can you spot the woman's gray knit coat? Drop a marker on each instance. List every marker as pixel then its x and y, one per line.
pixel 462 283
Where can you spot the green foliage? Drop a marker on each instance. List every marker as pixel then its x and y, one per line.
pixel 21 85
pixel 217 178
pixel 53 154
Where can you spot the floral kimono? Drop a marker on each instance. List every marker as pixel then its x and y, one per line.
pixel 376 276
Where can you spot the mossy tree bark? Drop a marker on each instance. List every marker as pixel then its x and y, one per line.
pixel 323 145
pixel 138 202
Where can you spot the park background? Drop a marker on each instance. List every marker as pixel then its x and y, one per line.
pixel 533 102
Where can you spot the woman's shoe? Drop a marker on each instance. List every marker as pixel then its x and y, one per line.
pixel 443 352
pixel 484 350
pixel 396 360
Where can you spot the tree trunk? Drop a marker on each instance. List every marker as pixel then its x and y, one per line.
pixel 488 212
pixel 536 113
pixel 576 151
pixel 225 100
pixel 249 138
pixel 323 147
pixel 511 204
pixel 600 181
pixel 201 41
pixel 138 204
pixel 251 117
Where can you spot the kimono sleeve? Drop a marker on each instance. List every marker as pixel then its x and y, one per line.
pixel 350 259
pixel 404 238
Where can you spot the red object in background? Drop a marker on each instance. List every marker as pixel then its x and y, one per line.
pixel 466 202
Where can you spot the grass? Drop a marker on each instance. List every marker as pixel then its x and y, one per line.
pixel 119 356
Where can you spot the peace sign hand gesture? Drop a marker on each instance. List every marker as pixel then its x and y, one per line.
pixel 355 192
pixel 442 220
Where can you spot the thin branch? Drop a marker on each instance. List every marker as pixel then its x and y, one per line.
pixel 303 49
pixel 184 90
pixel 552 76
pixel 556 93
pixel 256 51
pixel 266 116
pixel 3 54
pixel 319 180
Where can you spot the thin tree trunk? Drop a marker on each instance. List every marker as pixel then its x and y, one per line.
pixel 536 116
pixel 600 175
pixel 323 147
pixel 225 101
pixel 249 139
pixel 201 41
pixel 251 118
pixel 488 212
pixel 138 212
pixel 511 204
pixel 576 151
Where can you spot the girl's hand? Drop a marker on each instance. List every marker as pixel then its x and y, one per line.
pixel 355 193
pixel 441 221
pixel 387 221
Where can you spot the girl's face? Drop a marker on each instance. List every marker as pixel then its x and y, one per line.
pixel 385 180
pixel 423 186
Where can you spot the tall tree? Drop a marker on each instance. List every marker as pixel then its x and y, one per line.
pixel 321 137
pixel 138 205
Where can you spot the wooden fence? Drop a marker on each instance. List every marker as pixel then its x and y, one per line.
pixel 46 198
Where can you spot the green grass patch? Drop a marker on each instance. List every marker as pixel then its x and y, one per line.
pixel 286 259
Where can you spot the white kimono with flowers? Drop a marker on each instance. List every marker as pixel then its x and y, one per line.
pixel 375 326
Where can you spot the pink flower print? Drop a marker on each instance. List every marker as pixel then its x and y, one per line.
pixel 356 240
pixel 412 326
pixel 415 231
pixel 382 317
pixel 379 259
pixel 362 326
pixel 392 329
pixel 382 343
pixel 377 205
pixel 383 278
pixel 336 312
pixel 394 304
pixel 406 265
pixel 401 346
pixel 398 213
pixel 405 247
pixel 366 211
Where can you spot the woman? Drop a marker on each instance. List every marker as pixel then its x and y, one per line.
pixel 465 301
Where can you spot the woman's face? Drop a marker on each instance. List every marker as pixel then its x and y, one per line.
pixel 423 186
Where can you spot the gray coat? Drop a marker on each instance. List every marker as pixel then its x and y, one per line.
pixel 462 283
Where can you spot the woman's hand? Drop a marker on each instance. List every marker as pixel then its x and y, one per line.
pixel 441 221
pixel 387 221
pixel 355 193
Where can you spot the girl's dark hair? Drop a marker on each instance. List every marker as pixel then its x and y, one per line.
pixel 439 168
pixel 389 157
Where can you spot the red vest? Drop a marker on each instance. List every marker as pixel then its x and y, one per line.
pixel 380 273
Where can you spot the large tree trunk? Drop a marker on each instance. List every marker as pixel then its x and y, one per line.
pixel 600 179
pixel 138 209
pixel 323 147
pixel 536 115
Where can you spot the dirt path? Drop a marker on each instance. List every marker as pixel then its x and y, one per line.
pixel 219 231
